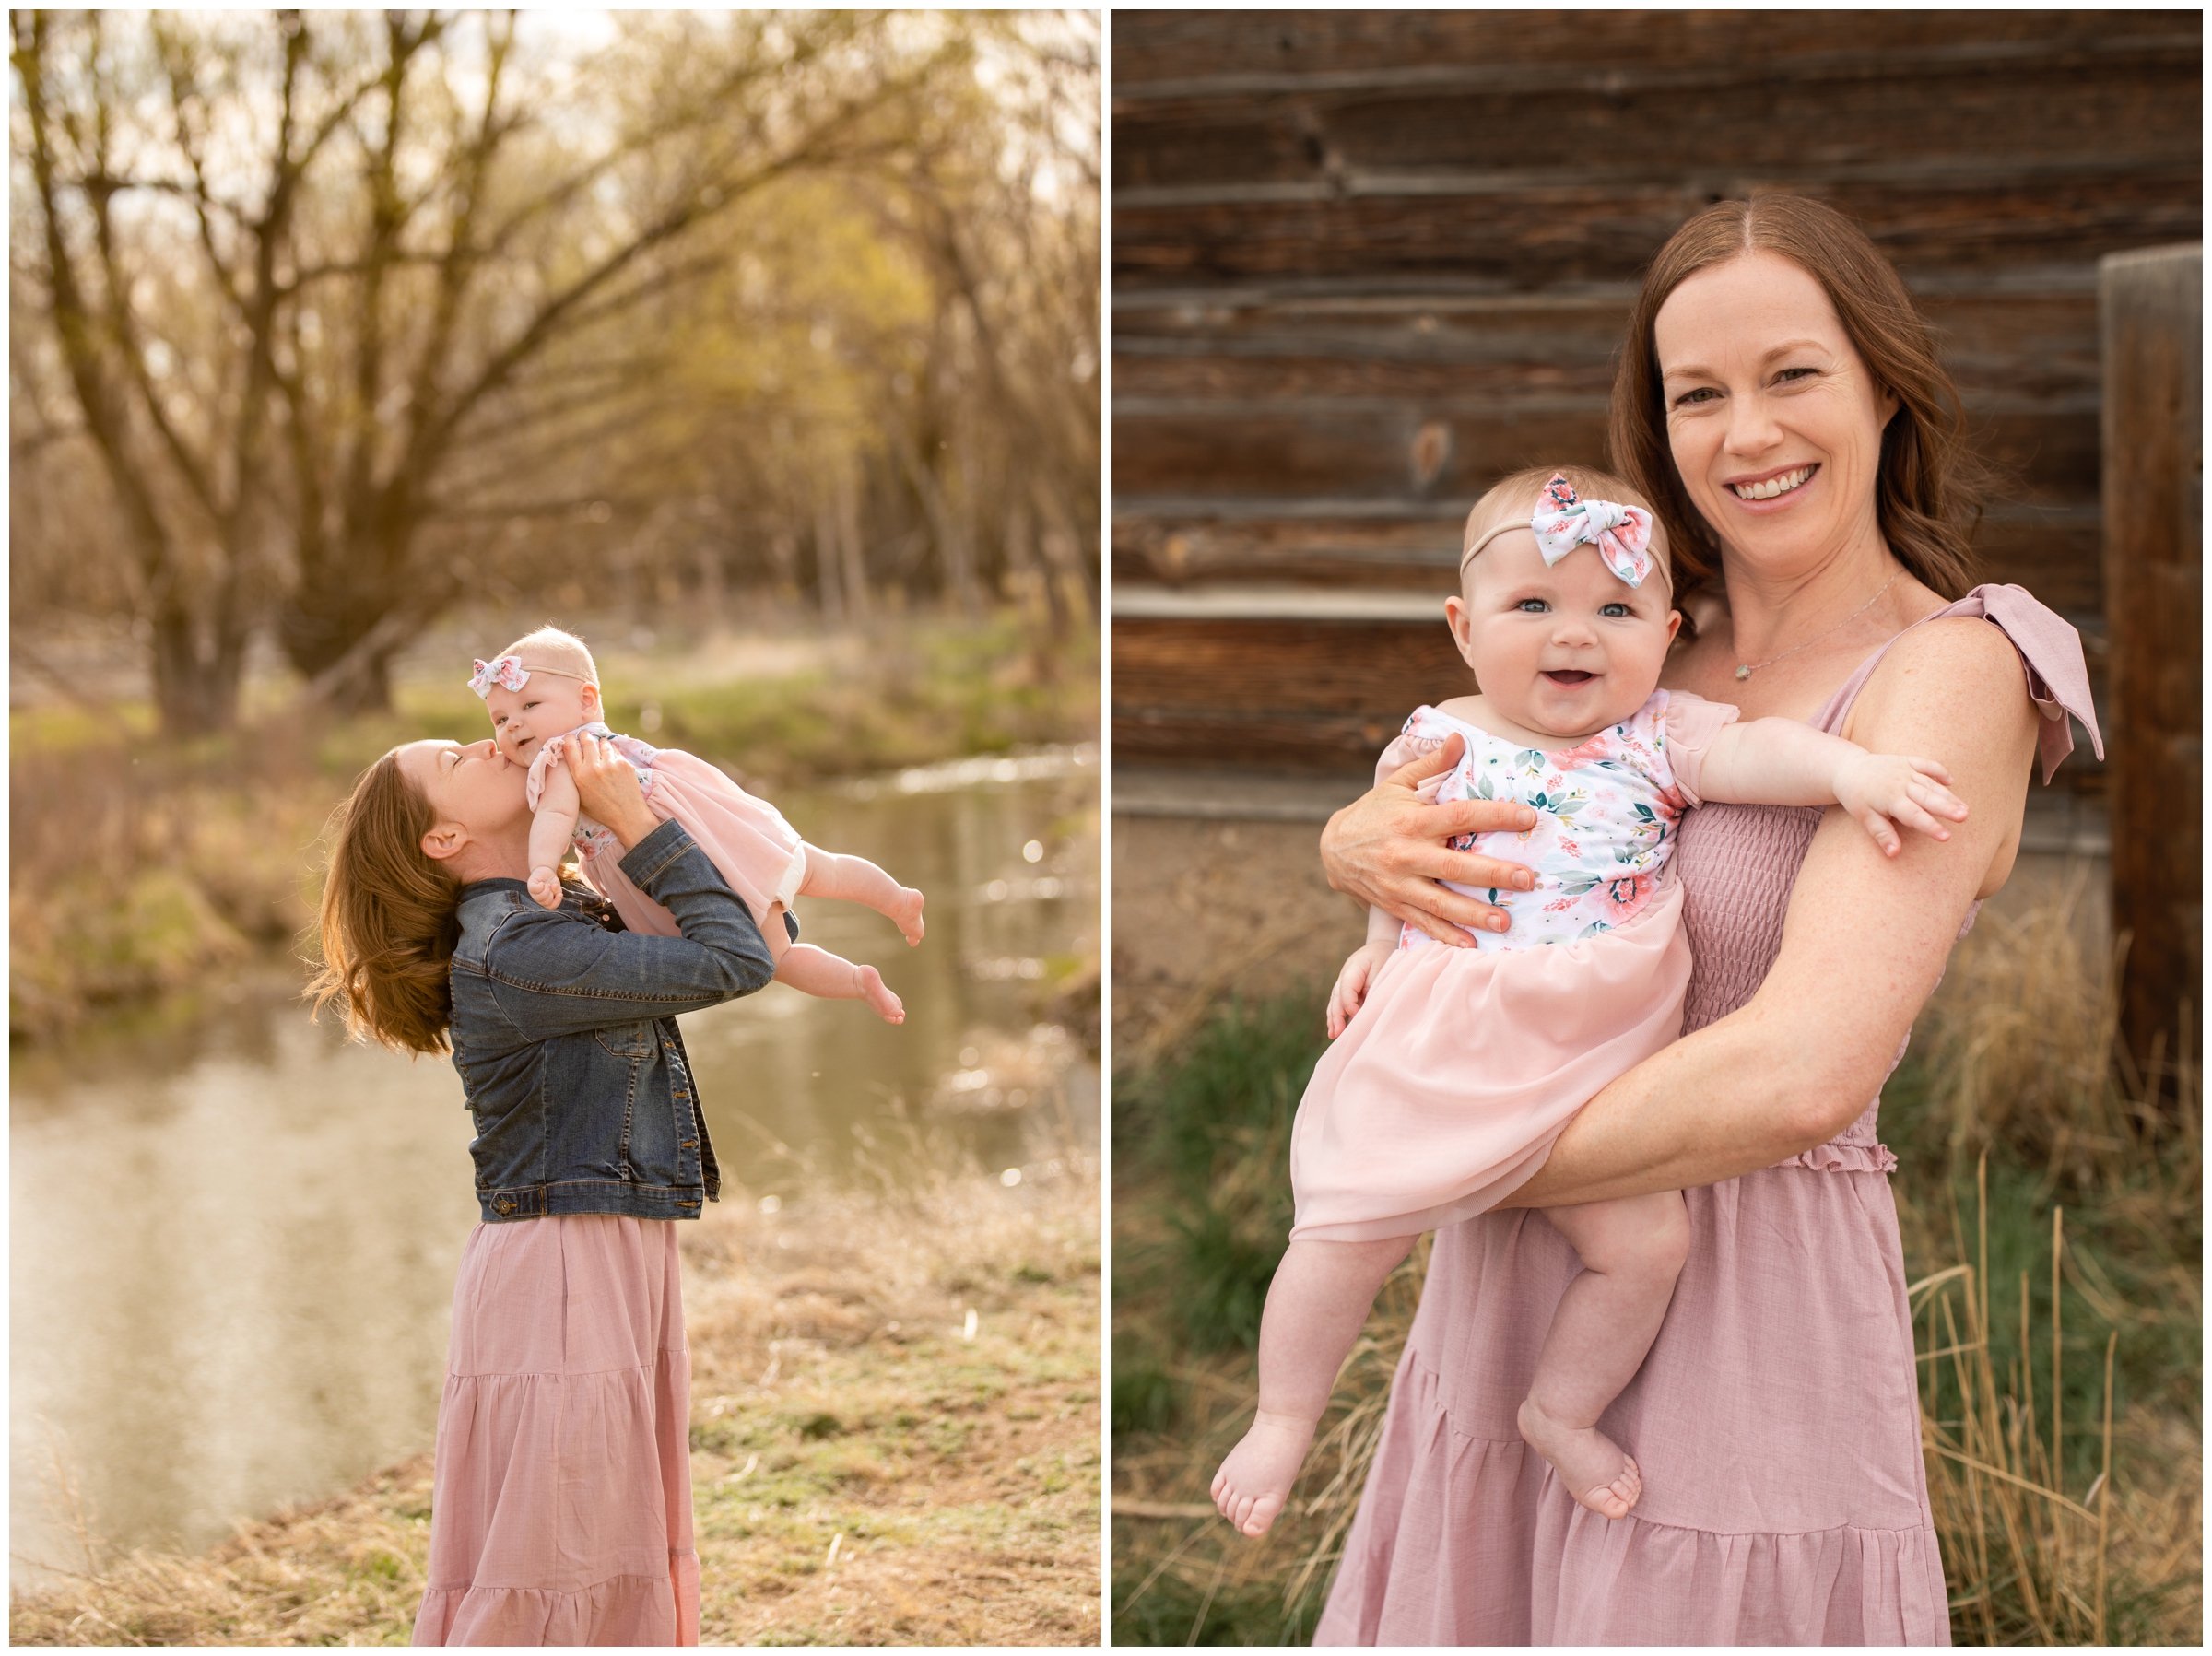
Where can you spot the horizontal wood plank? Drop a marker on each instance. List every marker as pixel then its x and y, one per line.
pixel 1178 54
pixel 2139 105
pixel 2033 345
pixel 1409 453
pixel 2056 554
pixel 1297 694
pixel 1531 233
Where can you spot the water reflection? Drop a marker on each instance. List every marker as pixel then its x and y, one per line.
pixel 234 1235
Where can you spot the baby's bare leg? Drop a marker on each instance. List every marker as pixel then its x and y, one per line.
pixel 857 880
pixel 1319 1299
pixel 818 972
pixel 1631 1250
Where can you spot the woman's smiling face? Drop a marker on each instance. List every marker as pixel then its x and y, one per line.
pixel 1773 420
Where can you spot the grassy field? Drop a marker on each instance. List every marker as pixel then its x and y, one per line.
pixel 895 1431
pixel 138 867
pixel 2012 1105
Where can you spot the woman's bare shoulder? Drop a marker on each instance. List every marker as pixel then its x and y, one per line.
pixel 1952 669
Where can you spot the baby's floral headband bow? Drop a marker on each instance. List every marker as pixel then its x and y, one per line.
pixel 1622 535
pixel 506 671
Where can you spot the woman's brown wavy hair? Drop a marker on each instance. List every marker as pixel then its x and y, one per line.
pixel 390 917
pixel 1929 487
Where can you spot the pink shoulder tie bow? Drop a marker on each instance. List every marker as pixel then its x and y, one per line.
pixel 506 671
pixel 1622 535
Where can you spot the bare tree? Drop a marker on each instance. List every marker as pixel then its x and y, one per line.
pixel 322 287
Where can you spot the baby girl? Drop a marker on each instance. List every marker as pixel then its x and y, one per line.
pixel 1457 1067
pixel 544 689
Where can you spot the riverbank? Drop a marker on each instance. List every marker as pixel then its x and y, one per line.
pixel 139 868
pixel 894 1433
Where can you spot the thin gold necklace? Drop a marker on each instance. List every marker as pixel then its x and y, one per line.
pixel 1745 670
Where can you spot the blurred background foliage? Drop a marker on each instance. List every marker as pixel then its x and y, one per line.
pixel 324 322
pixel 761 347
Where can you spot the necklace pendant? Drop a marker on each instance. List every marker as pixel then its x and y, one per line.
pixel 1742 671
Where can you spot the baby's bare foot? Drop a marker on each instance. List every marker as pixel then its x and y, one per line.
pixel 1592 1467
pixel 905 912
pixel 1256 1480
pixel 872 991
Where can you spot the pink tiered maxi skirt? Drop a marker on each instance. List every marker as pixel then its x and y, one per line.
pixel 561 1511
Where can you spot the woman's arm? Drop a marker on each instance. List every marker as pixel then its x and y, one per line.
pixel 1864 941
pixel 1387 848
pixel 553 975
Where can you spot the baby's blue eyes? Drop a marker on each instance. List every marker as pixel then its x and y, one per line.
pixel 1538 607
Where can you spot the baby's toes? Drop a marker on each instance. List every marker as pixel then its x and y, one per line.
pixel 1607 1501
pixel 1615 1498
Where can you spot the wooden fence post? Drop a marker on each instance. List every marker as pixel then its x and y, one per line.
pixel 2151 312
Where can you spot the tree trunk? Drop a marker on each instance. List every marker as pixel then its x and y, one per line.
pixel 826 560
pixel 341 629
pixel 195 680
pixel 848 538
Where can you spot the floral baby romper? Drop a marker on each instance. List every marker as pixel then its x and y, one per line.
pixel 1449 1087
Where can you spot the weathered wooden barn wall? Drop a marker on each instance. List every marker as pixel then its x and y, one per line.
pixel 1364 263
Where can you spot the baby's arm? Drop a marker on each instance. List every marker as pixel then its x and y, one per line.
pixel 1782 762
pixel 1359 973
pixel 550 831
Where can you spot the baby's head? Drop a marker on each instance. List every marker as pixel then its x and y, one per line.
pixel 542 685
pixel 1561 641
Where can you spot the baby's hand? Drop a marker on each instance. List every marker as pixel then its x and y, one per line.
pixel 1882 788
pixel 1352 984
pixel 545 885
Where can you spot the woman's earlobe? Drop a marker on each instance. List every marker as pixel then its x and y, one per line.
pixel 442 841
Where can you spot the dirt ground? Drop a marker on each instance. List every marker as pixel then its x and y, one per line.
pixel 1202 909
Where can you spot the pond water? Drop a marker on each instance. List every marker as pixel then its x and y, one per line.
pixel 233 1234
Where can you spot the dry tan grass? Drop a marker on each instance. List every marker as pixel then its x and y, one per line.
pixel 838 1397
pixel 347 1570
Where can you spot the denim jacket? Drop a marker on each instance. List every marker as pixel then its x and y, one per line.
pixel 564 1033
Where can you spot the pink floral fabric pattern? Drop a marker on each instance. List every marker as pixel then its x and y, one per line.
pixel 1622 535
pixel 592 839
pixel 1607 812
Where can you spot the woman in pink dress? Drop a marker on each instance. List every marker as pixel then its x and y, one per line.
pixel 1779 402
pixel 562 1513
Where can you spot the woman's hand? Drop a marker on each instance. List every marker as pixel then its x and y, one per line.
pixel 1353 982
pixel 1387 848
pixel 607 787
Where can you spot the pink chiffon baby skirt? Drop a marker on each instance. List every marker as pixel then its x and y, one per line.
pixel 561 1509
pixel 746 840
pixel 1447 1090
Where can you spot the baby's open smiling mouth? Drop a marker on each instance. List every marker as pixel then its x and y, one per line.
pixel 1569 676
